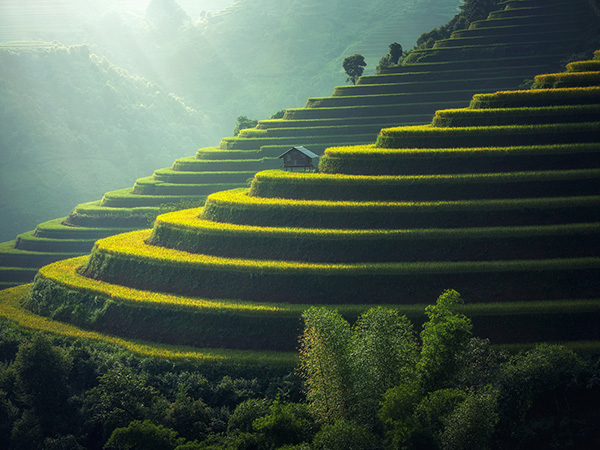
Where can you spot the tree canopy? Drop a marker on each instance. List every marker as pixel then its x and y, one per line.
pixel 354 66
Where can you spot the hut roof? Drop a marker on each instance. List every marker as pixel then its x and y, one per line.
pixel 303 150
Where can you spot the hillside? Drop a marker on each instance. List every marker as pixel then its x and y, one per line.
pixel 59 105
pixel 257 57
pixel 74 125
pixel 498 200
pixel 408 94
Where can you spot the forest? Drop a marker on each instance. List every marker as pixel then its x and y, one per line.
pixel 379 384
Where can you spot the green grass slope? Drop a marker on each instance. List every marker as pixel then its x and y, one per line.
pixel 408 95
pixel 516 236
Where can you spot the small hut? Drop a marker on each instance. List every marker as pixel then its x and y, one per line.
pixel 299 159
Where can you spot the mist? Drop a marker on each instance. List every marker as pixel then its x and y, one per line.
pixel 95 94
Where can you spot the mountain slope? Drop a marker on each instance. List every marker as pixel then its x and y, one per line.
pixel 498 200
pixel 408 94
pixel 73 125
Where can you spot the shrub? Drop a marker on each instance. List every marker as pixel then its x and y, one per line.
pixel 345 435
pixel 143 436
pixel 242 123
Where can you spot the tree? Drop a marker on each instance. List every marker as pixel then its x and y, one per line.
pixel 246 413
pixel 547 399
pixel 471 424
pixel 354 66
pixel 143 436
pixel 383 354
pixel 242 122
pixel 348 370
pixel 286 424
pixel 345 435
pixel 325 363
pixel 279 114
pixel 445 338
pixel 41 372
pixel 121 397
pixel 395 52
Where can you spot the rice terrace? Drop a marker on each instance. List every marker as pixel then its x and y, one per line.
pixel 433 283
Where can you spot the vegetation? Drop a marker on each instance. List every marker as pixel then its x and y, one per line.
pixel 470 11
pixel 354 66
pixel 242 122
pixel 392 58
pixel 375 384
pixel 353 115
pixel 91 125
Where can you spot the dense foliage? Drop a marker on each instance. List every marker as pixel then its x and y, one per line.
pixel 376 385
pixel 470 11
pixel 354 66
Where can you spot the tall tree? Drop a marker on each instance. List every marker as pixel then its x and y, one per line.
pixel 41 373
pixel 354 66
pixel 383 354
pixel 445 338
pixel 325 363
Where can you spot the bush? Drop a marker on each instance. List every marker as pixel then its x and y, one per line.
pixel 143 436
pixel 242 122
pixel 345 435
pixel 285 424
pixel 246 413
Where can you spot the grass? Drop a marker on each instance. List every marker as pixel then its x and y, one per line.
pixel 373 152
pixel 234 143
pixel 161 310
pixel 317 130
pixel 544 183
pixel 567 79
pixel 154 188
pixel 515 116
pixel 537 97
pixel 28 241
pixel 237 207
pixel 168 178
pixel 403 108
pixel 95 209
pixel 56 229
pixel 492 36
pixel 583 66
pixel 11 310
pixel 185 231
pixel 474 74
pixel 370 160
pixel 65 273
pixel 13 257
pixel 502 135
pixel 126 198
pixel 342 121
pixel 428 86
pixel 17 274
pixel 189 219
pixel 133 246
pixel 387 99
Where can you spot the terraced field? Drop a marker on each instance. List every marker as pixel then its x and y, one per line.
pixel 506 214
pixel 494 54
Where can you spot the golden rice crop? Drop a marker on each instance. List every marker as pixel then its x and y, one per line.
pixel 188 219
pixel 133 246
pixel 65 273
pixel 370 151
pixel 11 310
